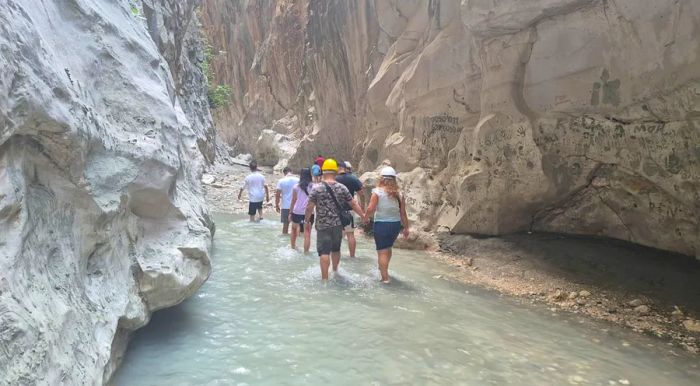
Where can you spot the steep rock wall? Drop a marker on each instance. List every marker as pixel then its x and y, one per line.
pixel 104 132
pixel 576 116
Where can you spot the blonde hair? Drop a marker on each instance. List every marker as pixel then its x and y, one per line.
pixel 390 186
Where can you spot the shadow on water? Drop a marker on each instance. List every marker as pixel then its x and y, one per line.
pixel 167 325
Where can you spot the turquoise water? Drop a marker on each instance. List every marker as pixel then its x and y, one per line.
pixel 265 318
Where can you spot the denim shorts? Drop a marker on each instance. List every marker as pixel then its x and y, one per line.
pixel 385 234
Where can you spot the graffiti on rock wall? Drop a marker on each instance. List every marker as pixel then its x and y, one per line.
pixel 439 135
pixel 603 134
pixel 654 148
pixel 608 89
pixel 439 125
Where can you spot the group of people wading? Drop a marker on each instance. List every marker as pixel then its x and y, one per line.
pixel 324 194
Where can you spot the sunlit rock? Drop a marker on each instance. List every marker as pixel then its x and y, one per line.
pixel 104 133
pixel 573 116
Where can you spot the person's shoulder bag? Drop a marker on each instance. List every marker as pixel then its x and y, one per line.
pixel 344 215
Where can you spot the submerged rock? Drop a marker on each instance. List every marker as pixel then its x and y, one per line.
pixel 104 133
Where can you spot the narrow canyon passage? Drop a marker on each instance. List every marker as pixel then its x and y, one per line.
pixel 264 317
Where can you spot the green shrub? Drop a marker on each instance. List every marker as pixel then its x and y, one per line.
pixel 206 63
pixel 219 96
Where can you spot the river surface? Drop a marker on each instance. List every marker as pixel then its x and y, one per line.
pixel 265 318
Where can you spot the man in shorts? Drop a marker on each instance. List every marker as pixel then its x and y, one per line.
pixel 354 185
pixel 257 190
pixel 285 188
pixel 329 228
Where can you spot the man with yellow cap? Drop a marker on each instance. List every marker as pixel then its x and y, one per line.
pixel 329 199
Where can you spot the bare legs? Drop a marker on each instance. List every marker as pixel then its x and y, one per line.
pixel 259 218
pixel 335 256
pixel 285 228
pixel 326 263
pixel 383 258
pixel 307 238
pixel 293 237
pixel 352 243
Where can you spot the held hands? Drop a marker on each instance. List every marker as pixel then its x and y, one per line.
pixel 365 218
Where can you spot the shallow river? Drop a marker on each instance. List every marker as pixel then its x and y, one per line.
pixel 264 317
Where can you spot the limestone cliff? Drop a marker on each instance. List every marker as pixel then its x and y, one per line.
pixel 576 116
pixel 104 132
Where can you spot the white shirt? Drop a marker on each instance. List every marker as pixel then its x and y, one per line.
pixel 255 183
pixel 286 188
pixel 388 208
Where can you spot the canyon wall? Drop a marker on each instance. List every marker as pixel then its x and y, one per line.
pixel 574 116
pixel 104 132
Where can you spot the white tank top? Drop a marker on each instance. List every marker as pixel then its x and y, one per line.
pixel 388 209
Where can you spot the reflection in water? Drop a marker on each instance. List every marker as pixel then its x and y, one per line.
pixel 264 317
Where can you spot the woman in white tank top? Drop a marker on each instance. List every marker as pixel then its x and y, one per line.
pixel 388 206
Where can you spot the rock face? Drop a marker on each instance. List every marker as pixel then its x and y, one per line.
pixel 104 132
pixel 575 116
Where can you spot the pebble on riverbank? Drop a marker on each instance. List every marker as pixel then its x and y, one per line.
pixel 692 325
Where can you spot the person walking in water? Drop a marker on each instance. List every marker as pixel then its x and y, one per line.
pixel 354 185
pixel 327 198
pixel 300 198
pixel 388 206
pixel 257 191
pixel 284 191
